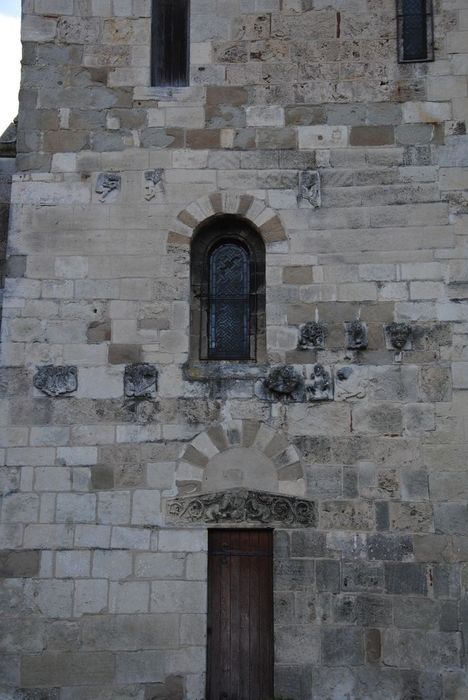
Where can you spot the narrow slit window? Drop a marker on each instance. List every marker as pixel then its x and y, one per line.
pixel 229 303
pixel 170 43
pixel 415 24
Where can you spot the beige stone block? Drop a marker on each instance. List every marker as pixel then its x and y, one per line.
pixel 90 597
pixel 176 540
pixel 49 436
pixel 71 267
pixel 272 115
pixel 146 508
pixel 454 178
pixel 73 564
pixel 178 596
pixel 35 28
pixel 426 112
pixel 129 597
pixel 100 382
pixel 322 136
pixel 427 290
pixel 457 42
pixel 76 456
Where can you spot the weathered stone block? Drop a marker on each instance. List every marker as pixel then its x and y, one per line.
pixel 342 646
pixel 297 643
pixel 67 669
pixel 362 576
pixel 406 579
pixel 22 564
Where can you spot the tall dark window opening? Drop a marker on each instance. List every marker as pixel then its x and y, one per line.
pixel 415 23
pixel 228 291
pixel 229 302
pixel 170 42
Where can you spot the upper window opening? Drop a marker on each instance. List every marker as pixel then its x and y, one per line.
pixel 415 22
pixel 170 43
pixel 228 291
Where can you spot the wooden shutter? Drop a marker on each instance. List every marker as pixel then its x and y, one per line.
pixel 170 42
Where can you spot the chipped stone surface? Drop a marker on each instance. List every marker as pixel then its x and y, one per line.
pixel 107 186
pixel 140 381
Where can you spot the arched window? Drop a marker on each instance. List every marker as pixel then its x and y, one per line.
pixel 228 291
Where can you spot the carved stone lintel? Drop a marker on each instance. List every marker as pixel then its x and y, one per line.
pixel 357 335
pixel 312 335
pixel 398 336
pixel 309 188
pixel 320 385
pixel 56 381
pixel 140 381
pixel 153 180
pixel 106 184
pixel 242 506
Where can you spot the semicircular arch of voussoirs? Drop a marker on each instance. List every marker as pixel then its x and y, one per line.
pixel 262 217
pixel 247 434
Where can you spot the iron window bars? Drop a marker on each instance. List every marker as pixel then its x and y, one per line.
pixel 415 30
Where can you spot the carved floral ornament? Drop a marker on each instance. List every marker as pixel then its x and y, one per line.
pixel 56 381
pixel 293 383
pixel 242 506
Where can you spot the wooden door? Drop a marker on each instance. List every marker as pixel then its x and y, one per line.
pixel 240 615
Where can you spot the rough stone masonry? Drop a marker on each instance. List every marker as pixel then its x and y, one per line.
pixel 353 169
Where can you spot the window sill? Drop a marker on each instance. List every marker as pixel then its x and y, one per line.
pixel 225 369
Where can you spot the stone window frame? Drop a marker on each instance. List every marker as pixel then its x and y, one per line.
pixel 208 234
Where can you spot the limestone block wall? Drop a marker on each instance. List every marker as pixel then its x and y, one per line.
pixel 103 597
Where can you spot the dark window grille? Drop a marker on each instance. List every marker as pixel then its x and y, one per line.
pixel 415 30
pixel 227 283
pixel 170 43
pixel 229 303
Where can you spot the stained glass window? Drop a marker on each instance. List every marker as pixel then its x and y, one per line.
pixel 415 30
pixel 229 302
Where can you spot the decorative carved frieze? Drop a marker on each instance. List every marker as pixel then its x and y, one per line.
pixel 153 182
pixel 312 335
pixel 107 184
pixel 242 506
pixel 309 188
pixel 398 336
pixel 357 335
pixel 140 381
pixel 56 381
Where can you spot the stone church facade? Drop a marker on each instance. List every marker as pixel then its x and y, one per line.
pixel 330 412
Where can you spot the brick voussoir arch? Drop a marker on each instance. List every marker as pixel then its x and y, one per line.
pixel 265 219
pixel 272 443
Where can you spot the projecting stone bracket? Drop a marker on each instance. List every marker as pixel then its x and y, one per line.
pixel 242 506
pixel 56 381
